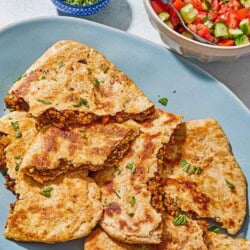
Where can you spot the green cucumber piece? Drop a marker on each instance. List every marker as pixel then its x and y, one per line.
pixel 245 3
pixel 209 24
pixel 188 13
pixel 169 24
pixel 220 30
pixel 164 16
pixel 241 40
pixel 234 33
pixel 187 34
pixel 245 26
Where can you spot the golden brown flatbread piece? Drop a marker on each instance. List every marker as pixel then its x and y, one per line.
pixel 56 151
pixel 128 214
pixel 73 84
pixel 17 132
pixel 202 175
pixel 62 210
pixel 223 242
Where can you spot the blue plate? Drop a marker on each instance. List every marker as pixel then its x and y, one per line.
pixel 158 72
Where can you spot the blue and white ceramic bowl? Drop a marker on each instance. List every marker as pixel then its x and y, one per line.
pixel 74 10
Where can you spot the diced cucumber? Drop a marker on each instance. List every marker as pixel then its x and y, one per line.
pixel 169 24
pixel 234 33
pixel 241 40
pixel 220 30
pixel 245 26
pixel 188 13
pixel 164 16
pixel 209 24
pixel 245 3
pixel 187 34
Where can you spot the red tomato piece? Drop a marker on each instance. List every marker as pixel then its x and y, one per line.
pixel 227 42
pixel 215 5
pixel 232 21
pixel 196 3
pixel 241 13
pixel 174 19
pixel 178 4
pixel 158 8
pixel 203 31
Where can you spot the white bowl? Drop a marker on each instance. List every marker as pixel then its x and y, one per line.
pixel 190 48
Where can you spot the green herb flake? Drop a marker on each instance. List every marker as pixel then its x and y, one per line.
pixel 131 214
pixel 89 71
pixel 213 229
pixel 105 70
pixel 132 167
pixel 132 201
pixel 181 220
pixel 17 166
pixel 117 194
pixel 163 101
pixel 206 19
pixel 61 64
pixel 96 82
pixel 17 157
pixel 117 170
pixel 4 171
pixel 188 168
pixel 47 191
pixel 45 102
pixel 53 78
pixel 81 2
pixel 175 200
pixel 83 102
pixel 15 126
pixel 43 78
pixel 229 184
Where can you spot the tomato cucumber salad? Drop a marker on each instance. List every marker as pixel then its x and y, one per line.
pixel 224 22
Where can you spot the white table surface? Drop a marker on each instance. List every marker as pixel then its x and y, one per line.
pixel 130 16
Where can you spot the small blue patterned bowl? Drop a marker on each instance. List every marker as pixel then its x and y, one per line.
pixel 74 10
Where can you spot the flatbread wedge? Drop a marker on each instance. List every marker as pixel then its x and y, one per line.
pixel 202 175
pixel 65 209
pixel 17 132
pixel 223 242
pixel 185 237
pixel 56 151
pixel 128 214
pixel 73 84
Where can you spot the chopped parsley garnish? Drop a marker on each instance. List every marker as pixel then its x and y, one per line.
pixel 131 166
pixel 96 82
pixel 131 214
pixel 43 78
pixel 44 102
pixel 117 170
pixel 17 157
pixel 89 71
pixel 132 201
pixel 163 101
pixel 106 70
pixel 84 136
pixel 188 168
pixel 229 184
pixel 15 126
pixel 213 229
pixel 83 102
pixel 175 200
pixel 53 78
pixel 117 194
pixel 81 2
pixel 61 64
pixel 4 171
pixel 17 166
pixel 205 19
pixel 181 220
pixel 47 191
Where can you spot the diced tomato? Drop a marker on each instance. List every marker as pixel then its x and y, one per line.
pixel 215 5
pixel 232 21
pixel 157 6
pixel 174 19
pixel 227 42
pixel 241 13
pixel 203 31
pixel 178 4
pixel 196 3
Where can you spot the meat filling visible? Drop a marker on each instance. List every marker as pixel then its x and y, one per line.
pixel 115 156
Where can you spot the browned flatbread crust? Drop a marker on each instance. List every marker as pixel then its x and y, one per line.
pixel 223 242
pixel 71 211
pixel 203 175
pixel 15 142
pixel 56 151
pixel 128 214
pixel 73 84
